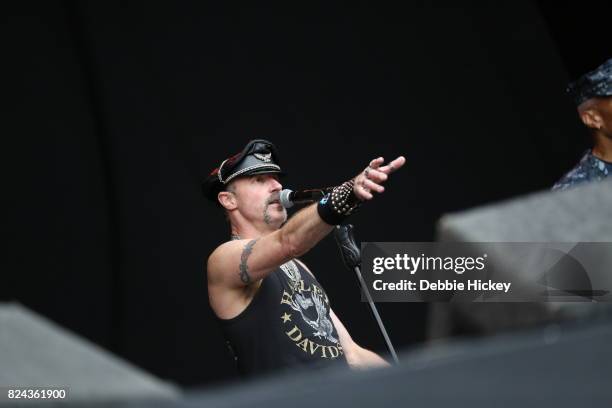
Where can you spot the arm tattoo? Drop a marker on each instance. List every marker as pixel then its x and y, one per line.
pixel 244 269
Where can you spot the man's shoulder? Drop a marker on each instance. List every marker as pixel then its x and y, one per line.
pixel 224 246
pixel 589 168
pixel 219 251
pixel 220 256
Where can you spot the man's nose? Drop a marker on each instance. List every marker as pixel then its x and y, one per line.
pixel 276 185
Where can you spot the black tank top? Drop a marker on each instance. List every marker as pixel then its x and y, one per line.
pixel 287 325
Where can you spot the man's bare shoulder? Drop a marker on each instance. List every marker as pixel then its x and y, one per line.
pixel 222 249
pixel 223 258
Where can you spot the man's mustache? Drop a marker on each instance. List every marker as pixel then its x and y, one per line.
pixel 274 198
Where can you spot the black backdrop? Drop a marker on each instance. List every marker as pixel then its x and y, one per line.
pixel 114 111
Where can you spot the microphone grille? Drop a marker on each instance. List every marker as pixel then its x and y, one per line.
pixel 284 198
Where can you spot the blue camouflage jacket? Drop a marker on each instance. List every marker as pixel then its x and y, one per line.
pixel 590 168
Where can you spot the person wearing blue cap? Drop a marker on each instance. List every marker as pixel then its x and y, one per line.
pixel 273 312
pixel 592 94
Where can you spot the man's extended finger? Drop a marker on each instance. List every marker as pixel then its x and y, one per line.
pixel 377 162
pixel 393 166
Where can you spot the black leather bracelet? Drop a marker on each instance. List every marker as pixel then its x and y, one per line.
pixel 338 204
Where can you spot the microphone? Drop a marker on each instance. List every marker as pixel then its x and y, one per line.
pixel 289 197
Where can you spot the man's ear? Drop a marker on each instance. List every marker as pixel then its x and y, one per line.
pixel 591 118
pixel 227 199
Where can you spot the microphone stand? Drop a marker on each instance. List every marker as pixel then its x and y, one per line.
pixel 351 257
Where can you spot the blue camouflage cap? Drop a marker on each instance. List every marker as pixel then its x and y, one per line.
pixel 592 84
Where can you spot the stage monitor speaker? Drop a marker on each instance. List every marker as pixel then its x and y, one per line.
pixel 559 366
pixel 582 214
pixel 35 352
pixel 556 366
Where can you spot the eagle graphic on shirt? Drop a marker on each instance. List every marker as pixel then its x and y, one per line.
pixel 305 302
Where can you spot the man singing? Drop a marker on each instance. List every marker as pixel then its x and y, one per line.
pixel 273 311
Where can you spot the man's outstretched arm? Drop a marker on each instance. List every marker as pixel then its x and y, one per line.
pixel 256 258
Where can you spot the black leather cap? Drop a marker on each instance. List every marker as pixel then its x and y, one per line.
pixel 259 156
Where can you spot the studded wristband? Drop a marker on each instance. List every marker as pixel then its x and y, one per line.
pixel 338 204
